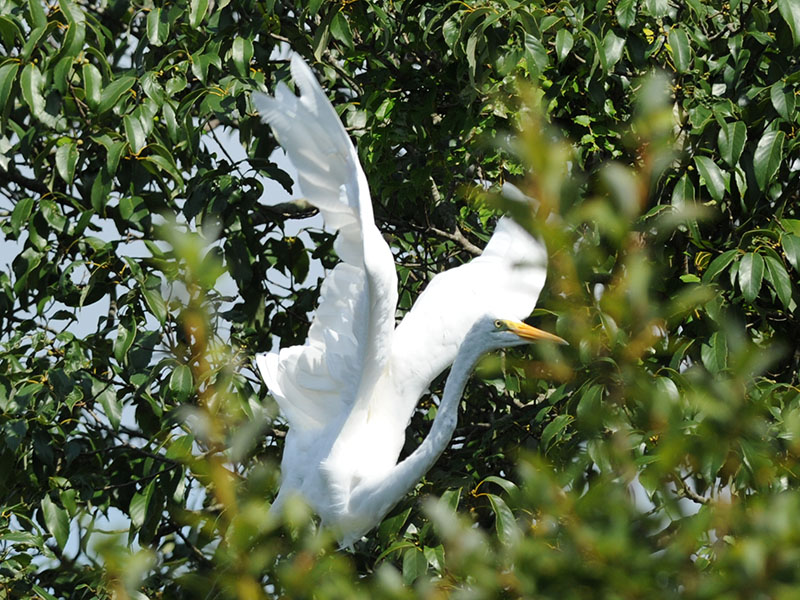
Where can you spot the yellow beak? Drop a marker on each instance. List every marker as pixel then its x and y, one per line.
pixel 527 332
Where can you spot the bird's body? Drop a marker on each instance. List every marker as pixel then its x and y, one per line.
pixel 350 391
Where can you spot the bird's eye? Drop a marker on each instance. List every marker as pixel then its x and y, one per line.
pixel 498 324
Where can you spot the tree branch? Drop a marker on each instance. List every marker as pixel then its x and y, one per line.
pixel 22 181
pixel 459 238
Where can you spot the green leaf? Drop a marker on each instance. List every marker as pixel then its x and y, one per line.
pixel 55 519
pixel 135 133
pixel 472 44
pixel 180 448
pixel 414 565
pixel 715 354
pixel 52 214
pixel 719 264
pixel 657 8
pixel 66 160
pixel 680 49
pixel 8 73
pixel 555 427
pixel 340 29
pixel 181 382
pixel 44 594
pixel 197 12
pixel 242 53
pixel 107 396
pixel 92 85
pixel 76 31
pixel 450 499
pixel 38 16
pixel 504 521
pixel 155 302
pixel 712 176
pixel 782 101
pixel 32 84
pixel 683 193
pixel 451 30
pixel 588 410
pixel 157 27
pixel 779 279
pixel 126 333
pixel 626 13
pixel 768 157
pixel 21 213
pixel 114 91
pixel 790 11
pixel 564 43
pixel 140 505
pixel 751 275
pixel 613 46
pixel 731 140
pixel 791 248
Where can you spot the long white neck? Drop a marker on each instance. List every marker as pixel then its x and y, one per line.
pixel 378 497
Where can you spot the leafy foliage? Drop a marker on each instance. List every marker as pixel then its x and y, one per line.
pixel 656 454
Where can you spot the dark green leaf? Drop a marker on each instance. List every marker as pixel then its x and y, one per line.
pixel 751 275
pixel 680 49
pixel 715 354
pixel 141 503
pixel 56 520
pixel 114 91
pixel 731 140
pixel 625 12
pixel 8 73
pixel 790 11
pixel 135 134
pixel 719 264
pixel 683 194
pixel 715 180
pixel 157 27
pixel 657 8
pixel 791 248
pixel 504 520
pixel 92 85
pixel 181 382
pixel 21 213
pixel 613 46
pixel 414 565
pixel 768 157
pixel 126 333
pixel 564 42
pixel 242 54
pixel 779 279
pixel 155 302
pixel 66 160
pixel 554 429
pixel 340 29
pixel 783 101
pixel 197 12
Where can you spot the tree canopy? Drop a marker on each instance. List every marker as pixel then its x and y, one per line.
pixel 655 144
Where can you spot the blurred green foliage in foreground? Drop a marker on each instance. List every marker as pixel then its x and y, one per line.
pixel 656 456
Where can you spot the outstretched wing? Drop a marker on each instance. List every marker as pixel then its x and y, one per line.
pixel 504 282
pixel 350 336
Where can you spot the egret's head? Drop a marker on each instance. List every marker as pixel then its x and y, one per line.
pixel 502 333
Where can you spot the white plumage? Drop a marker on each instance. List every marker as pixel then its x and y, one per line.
pixel 349 392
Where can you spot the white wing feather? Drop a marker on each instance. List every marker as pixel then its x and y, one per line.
pixel 350 336
pixel 505 281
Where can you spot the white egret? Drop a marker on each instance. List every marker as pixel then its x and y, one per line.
pixel 348 393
